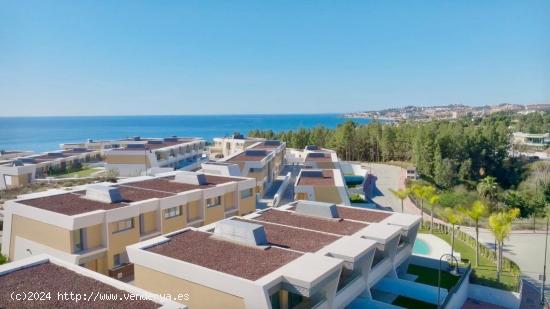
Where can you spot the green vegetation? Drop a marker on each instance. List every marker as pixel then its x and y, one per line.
pixel 406 302
pixel 485 273
pixel 501 224
pixel 429 276
pixel 447 152
pixel 401 194
pixel 356 198
pixel 83 172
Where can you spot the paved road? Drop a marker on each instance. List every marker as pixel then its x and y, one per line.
pixel 387 177
pixel 523 247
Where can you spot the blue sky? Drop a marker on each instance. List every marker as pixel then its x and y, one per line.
pixel 227 57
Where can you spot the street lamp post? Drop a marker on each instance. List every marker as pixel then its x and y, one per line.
pixel 542 300
pixel 452 258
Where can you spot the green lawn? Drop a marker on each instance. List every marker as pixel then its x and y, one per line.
pixel 485 274
pixel 85 172
pixel 429 276
pixel 406 302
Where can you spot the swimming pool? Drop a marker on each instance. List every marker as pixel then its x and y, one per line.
pixel 421 247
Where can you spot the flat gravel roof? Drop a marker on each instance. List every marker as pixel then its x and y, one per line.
pixel 340 227
pixel 201 249
pixel 294 238
pixel 48 277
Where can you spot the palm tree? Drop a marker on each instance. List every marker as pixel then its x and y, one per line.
pixel 433 201
pixel 423 193
pixel 488 188
pixel 500 224
pixel 475 212
pixel 454 217
pixel 401 194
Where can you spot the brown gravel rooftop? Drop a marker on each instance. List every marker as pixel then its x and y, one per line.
pixel 341 227
pixel 69 204
pixel 326 181
pixel 362 214
pixel 324 158
pixel 243 156
pixel 267 146
pixel 168 185
pixel 227 257
pixel 294 238
pixel 48 277
pixel 73 203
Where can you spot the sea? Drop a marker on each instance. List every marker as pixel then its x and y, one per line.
pixel 41 134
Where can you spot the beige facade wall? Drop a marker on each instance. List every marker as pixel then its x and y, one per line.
pixel 247 205
pixel 119 240
pixel 116 159
pixel 200 296
pixel 149 222
pixel 193 210
pixel 327 194
pixel 43 233
pixel 94 236
pixel 229 201
pixel 301 196
pixel 214 213
pixel 174 223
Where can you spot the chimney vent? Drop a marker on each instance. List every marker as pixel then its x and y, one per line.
pixel 104 194
pixel 191 178
pixel 317 209
pixel 246 233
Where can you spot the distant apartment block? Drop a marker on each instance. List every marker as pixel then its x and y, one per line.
pixel 137 156
pixel 92 225
pixel 12 154
pixel 261 161
pixel 323 185
pixel 21 171
pixel 228 146
pixel 53 283
pixel 528 139
pixel 302 255
pixel 314 157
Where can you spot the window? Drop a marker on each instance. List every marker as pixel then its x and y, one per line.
pixel 78 236
pixel 172 212
pixel 124 225
pixel 247 193
pixel 116 260
pixel 255 170
pixel 214 201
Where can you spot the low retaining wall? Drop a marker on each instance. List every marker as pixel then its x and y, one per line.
pixel 498 297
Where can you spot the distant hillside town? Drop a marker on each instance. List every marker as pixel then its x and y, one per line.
pixel 451 111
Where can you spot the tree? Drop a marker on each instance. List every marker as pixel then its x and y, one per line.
pixel 488 189
pixel 475 212
pixel 454 217
pixel 401 194
pixel 433 200
pixel 422 192
pixel 500 224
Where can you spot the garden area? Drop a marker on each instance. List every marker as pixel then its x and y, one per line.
pixel 485 273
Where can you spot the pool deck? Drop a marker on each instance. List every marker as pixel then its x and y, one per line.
pixel 437 246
